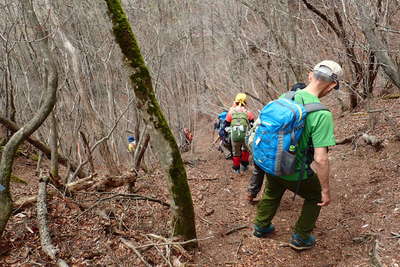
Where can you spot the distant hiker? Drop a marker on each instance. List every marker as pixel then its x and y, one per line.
pixel 225 145
pixel 186 140
pixel 257 179
pixel 301 167
pixel 131 144
pixel 188 135
pixel 239 120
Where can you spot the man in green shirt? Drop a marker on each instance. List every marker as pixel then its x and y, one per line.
pixel 312 153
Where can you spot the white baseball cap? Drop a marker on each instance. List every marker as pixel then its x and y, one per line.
pixel 329 71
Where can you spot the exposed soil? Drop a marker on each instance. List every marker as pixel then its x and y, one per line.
pixel 355 230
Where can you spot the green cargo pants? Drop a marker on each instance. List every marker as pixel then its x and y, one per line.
pixel 309 189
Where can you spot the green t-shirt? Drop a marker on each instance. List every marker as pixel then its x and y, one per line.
pixel 318 129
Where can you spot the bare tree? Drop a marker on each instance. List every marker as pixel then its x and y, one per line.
pixel 44 111
pixel 369 28
pixel 182 206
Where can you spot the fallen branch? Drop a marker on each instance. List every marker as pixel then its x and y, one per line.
pixel 394 235
pixel 238 248
pixel 175 243
pixel 374 254
pixel 367 112
pixel 45 239
pixel 178 247
pixel 131 246
pixel 114 181
pixel 131 196
pixel 91 182
pixel 42 147
pixel 166 257
pixel 345 140
pixel 392 96
pixel 236 229
pixel 372 140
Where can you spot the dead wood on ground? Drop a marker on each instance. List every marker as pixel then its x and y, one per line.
pixel 45 239
pixel 103 183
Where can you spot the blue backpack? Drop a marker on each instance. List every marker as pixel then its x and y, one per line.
pixel 276 137
pixel 220 126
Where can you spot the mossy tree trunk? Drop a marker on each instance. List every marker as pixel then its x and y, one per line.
pixel 162 137
pixel 24 132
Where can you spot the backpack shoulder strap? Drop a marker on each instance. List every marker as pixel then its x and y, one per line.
pixel 290 95
pixel 315 107
pixel 308 107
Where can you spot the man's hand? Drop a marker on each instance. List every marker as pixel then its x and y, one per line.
pixel 326 198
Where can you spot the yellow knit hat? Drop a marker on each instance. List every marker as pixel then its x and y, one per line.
pixel 241 99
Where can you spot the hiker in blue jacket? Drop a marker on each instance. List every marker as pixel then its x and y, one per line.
pixel 225 145
pixel 311 177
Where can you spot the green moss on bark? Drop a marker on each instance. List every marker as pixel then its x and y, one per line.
pixel 183 221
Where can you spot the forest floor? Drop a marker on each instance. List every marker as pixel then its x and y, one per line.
pixel 356 229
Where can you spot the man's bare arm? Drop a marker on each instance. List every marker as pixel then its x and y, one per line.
pixel 320 165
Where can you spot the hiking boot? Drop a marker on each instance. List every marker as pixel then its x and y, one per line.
pixel 236 170
pixel 236 164
pixel 298 243
pixel 263 231
pixel 244 168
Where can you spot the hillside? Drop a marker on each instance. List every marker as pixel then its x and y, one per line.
pixel 355 230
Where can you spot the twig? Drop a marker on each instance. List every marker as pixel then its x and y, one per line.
pixel 238 248
pixel 175 243
pixel 345 140
pixel 177 247
pixel 375 258
pixel 95 205
pixel 394 235
pixel 134 196
pixel 131 246
pixel 209 179
pixel 168 261
pixel 236 229
pixel 204 219
pixel 131 196
pixel 203 179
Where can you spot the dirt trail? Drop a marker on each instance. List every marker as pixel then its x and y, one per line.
pixel 359 222
pixel 363 213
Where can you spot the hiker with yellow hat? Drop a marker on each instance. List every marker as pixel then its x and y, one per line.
pixel 239 119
